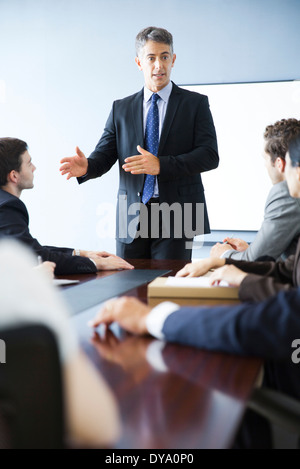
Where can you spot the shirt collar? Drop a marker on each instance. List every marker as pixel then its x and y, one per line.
pixel 164 94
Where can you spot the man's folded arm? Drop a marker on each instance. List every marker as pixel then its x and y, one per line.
pixel 277 231
pixel 281 271
pixel 261 245
pixel 14 224
pixel 259 288
pixel 264 279
pixel 265 330
pixel 66 263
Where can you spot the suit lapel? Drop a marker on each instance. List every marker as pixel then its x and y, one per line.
pixel 137 117
pixel 170 114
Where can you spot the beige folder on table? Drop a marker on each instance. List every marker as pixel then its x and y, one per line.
pixel 186 288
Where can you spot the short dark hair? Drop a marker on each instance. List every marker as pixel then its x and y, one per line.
pixel 152 33
pixel 11 150
pixel 294 151
pixel 279 135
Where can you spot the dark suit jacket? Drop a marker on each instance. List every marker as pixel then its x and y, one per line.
pixel 187 147
pixel 268 278
pixel 264 330
pixel 14 222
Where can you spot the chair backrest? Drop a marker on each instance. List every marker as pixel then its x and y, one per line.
pixel 277 407
pixel 31 402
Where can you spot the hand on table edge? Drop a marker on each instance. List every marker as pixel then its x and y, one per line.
pixel 130 313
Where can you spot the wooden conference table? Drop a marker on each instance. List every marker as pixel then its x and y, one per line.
pixel 190 399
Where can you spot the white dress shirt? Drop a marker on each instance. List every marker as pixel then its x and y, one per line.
pixel 162 105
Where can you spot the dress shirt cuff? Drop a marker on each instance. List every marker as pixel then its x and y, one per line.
pixel 157 316
pixel 226 253
pixel 93 263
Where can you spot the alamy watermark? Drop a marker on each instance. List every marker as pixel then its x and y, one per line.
pixel 2 351
pixel 177 221
pixel 296 353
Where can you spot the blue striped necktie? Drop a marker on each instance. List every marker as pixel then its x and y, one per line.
pixel 151 144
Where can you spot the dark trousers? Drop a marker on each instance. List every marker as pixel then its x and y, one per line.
pixel 153 242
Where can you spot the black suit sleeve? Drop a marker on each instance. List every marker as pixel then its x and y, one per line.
pixel 265 330
pixel 265 278
pixel 14 223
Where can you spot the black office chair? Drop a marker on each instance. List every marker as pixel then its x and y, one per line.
pixel 31 402
pixel 279 409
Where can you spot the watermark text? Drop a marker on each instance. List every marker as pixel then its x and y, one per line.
pixel 2 351
pixel 164 221
pixel 296 353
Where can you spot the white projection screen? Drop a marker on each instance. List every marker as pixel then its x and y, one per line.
pixel 236 192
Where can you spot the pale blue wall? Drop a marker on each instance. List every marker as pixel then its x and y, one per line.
pixel 64 62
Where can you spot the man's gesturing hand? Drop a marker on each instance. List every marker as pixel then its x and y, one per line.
pixel 145 163
pixel 74 166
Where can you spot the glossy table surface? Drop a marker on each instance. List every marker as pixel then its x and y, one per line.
pixel 170 396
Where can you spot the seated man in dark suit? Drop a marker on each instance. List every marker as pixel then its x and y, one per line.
pixel 258 281
pixel 16 174
pixel 278 235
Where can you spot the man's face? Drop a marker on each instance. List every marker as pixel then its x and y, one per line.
pixel 26 173
pixel 156 62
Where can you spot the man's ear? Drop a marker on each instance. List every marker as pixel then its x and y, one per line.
pixel 281 164
pixel 12 177
pixel 298 173
pixel 138 62
pixel 173 60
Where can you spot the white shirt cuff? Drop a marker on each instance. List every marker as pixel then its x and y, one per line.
pixel 157 316
pixel 93 262
pixel 223 255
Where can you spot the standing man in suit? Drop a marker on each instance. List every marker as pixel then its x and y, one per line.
pixel 163 138
pixel 278 235
pixel 16 175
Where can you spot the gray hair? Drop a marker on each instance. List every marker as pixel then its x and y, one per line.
pixel 153 34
